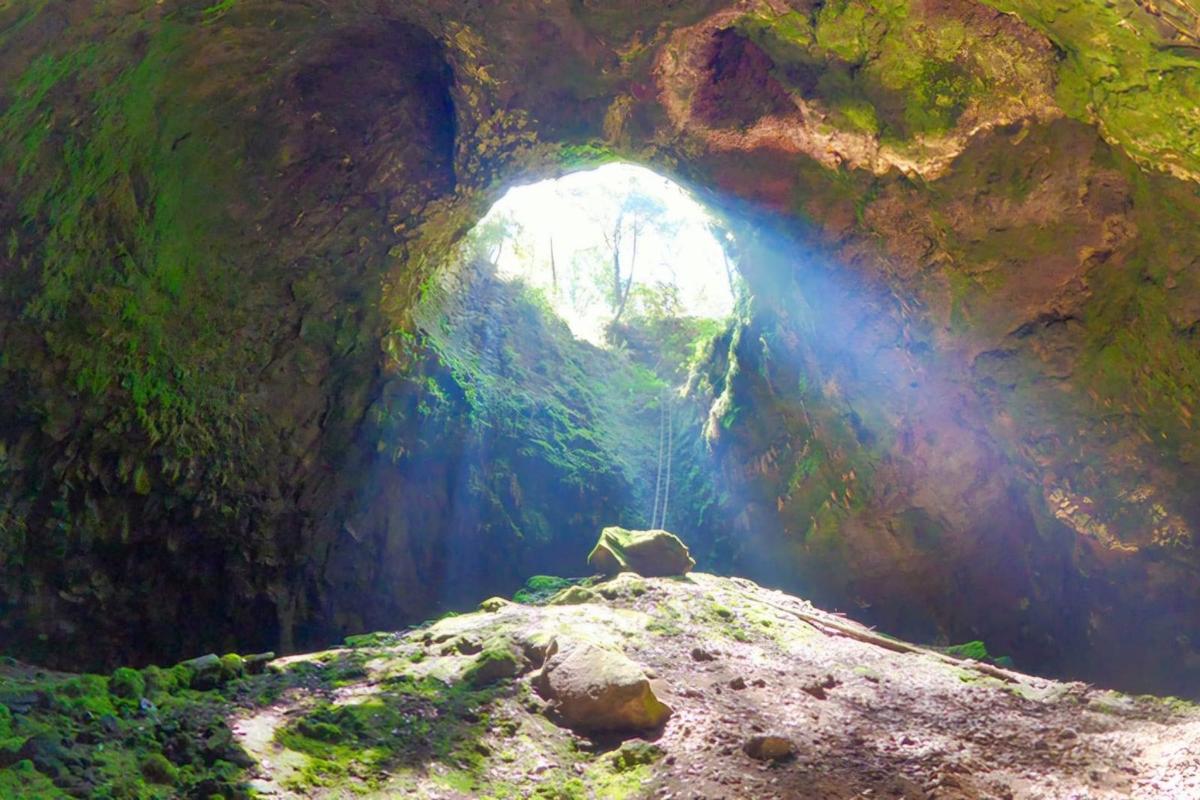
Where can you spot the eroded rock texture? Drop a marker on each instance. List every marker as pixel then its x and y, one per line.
pixel 972 239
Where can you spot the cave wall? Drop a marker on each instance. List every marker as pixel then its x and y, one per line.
pixel 972 353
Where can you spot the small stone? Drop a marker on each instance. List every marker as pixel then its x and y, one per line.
pixel 494 604
pixel 573 596
pixel 256 663
pixel 700 654
pixel 768 747
pixel 738 683
pixel 205 671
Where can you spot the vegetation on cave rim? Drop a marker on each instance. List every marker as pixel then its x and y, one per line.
pixel 889 70
pixel 1120 70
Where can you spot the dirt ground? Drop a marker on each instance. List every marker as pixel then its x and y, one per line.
pixel 868 717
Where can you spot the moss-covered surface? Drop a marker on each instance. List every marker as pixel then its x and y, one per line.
pixel 1120 70
pixel 895 70
pixel 138 734
pixel 959 403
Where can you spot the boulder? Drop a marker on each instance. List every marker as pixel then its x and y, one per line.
pixel 593 689
pixel 648 553
pixel 205 671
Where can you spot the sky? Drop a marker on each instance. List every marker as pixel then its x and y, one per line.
pixel 679 248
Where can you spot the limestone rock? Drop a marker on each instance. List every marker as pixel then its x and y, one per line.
pixel 575 595
pixel 494 604
pixel 625 585
pixel 648 553
pixel 768 747
pixel 499 659
pixel 594 689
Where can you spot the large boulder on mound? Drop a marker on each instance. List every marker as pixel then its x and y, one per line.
pixel 594 689
pixel 649 553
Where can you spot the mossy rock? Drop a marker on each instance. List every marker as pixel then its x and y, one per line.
pixel 573 596
pixel 499 660
pixel 157 769
pixel 540 588
pixel 494 604
pixel 127 683
pixel 652 554
pixel 626 585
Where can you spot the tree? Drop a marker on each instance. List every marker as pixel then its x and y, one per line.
pixel 635 212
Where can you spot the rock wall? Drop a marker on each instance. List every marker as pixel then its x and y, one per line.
pixel 971 360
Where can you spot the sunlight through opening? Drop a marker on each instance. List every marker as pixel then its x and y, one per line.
pixel 611 244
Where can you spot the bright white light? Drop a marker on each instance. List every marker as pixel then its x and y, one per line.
pixel 676 246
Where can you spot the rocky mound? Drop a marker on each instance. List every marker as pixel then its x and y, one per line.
pixel 687 687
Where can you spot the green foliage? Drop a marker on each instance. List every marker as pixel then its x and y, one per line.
pixel 883 68
pixel 975 650
pixel 540 588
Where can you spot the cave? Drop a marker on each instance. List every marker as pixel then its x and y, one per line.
pixel 358 363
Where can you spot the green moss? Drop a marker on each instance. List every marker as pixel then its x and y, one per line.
pixel 888 70
pixel 157 769
pixel 127 683
pixel 633 754
pixel 540 588
pixel 232 666
pixel 975 650
pixel 407 723
pixel 1117 70
pixel 377 639
pixel 24 781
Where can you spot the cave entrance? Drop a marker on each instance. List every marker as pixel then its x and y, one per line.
pixel 609 248
pixel 550 393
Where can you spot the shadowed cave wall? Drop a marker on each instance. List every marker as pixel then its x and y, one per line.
pixel 958 406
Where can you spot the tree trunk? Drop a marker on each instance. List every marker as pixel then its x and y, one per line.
pixel 624 293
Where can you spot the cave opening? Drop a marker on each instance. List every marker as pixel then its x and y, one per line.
pixel 611 248
pixel 550 385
